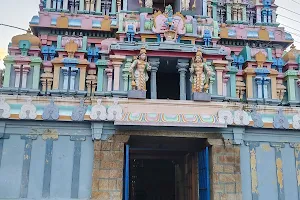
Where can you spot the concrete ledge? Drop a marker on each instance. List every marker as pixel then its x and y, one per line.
pixel 136 94
pixel 201 96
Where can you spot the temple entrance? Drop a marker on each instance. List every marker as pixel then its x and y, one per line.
pixel 168 80
pixel 162 168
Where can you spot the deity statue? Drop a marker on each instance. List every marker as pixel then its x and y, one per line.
pixel 185 5
pixel 200 73
pixel 138 70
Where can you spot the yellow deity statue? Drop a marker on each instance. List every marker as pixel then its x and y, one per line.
pixel 200 73
pixel 138 70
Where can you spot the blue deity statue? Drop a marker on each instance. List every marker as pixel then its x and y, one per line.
pixel 130 32
pixel 207 38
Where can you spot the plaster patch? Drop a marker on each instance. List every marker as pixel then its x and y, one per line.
pixel 50 134
pixel 266 147
pixel 253 171
pixel 279 172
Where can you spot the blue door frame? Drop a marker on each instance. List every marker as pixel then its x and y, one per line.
pixel 127 177
pixel 204 179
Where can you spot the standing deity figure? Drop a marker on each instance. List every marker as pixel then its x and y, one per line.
pixel 138 70
pixel 185 5
pixel 200 73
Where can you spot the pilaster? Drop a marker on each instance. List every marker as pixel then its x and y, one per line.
pixel 232 72
pixel 109 72
pixel 113 7
pixel 126 74
pixel 116 61
pixel 273 75
pixel 7 73
pixel 154 63
pixel 98 7
pixel 290 76
pixel 249 73
pixel 101 65
pixel 220 66
pixel 182 67
pixel 82 77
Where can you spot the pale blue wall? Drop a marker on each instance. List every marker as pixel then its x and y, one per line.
pixel 266 164
pixel 13 158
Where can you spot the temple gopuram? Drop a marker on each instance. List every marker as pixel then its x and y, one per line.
pixel 151 100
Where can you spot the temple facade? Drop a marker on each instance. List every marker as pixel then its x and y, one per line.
pixel 170 100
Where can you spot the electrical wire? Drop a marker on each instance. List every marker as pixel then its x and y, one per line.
pixel 13 27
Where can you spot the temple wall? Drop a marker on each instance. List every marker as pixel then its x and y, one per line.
pixel 45 160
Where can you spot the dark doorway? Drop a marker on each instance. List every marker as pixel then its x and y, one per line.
pixel 153 179
pixel 163 168
pixel 168 80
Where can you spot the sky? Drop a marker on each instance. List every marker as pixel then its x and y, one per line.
pixel 19 13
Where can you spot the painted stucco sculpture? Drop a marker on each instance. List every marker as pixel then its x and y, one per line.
pixel 114 112
pixel 280 120
pixel 98 111
pixel 28 110
pixel 51 111
pixel 79 112
pixel 257 118
pixel 170 24
pixel 200 73
pixel 138 70
pixel 225 117
pixel 4 109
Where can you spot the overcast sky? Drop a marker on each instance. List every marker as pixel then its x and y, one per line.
pixel 19 13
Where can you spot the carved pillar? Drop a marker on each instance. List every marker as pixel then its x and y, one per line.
pixel 82 78
pixel 220 66
pixel 7 73
pixel 228 12
pixel 81 5
pixel 249 72
pixel 113 7
pixel 54 4
pixel 48 4
pixel 126 74
pixel 98 7
pixel 47 79
pixel 117 61
pixel 266 82
pixel 119 5
pixel 65 71
pixel 101 64
pixel 273 75
pixel 65 6
pixel 18 75
pixel 73 77
pixel 59 5
pixel 225 80
pixel 290 77
pixel 154 63
pixel 56 75
pixel 274 16
pixel 26 69
pixel 109 72
pixel 36 76
pixel 91 81
pixel 258 15
pixel 244 14
pixel 259 82
pixel 182 67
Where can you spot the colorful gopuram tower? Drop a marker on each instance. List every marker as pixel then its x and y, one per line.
pixel 151 99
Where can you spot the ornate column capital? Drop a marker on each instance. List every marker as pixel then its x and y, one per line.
pixel 154 63
pixel 183 65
